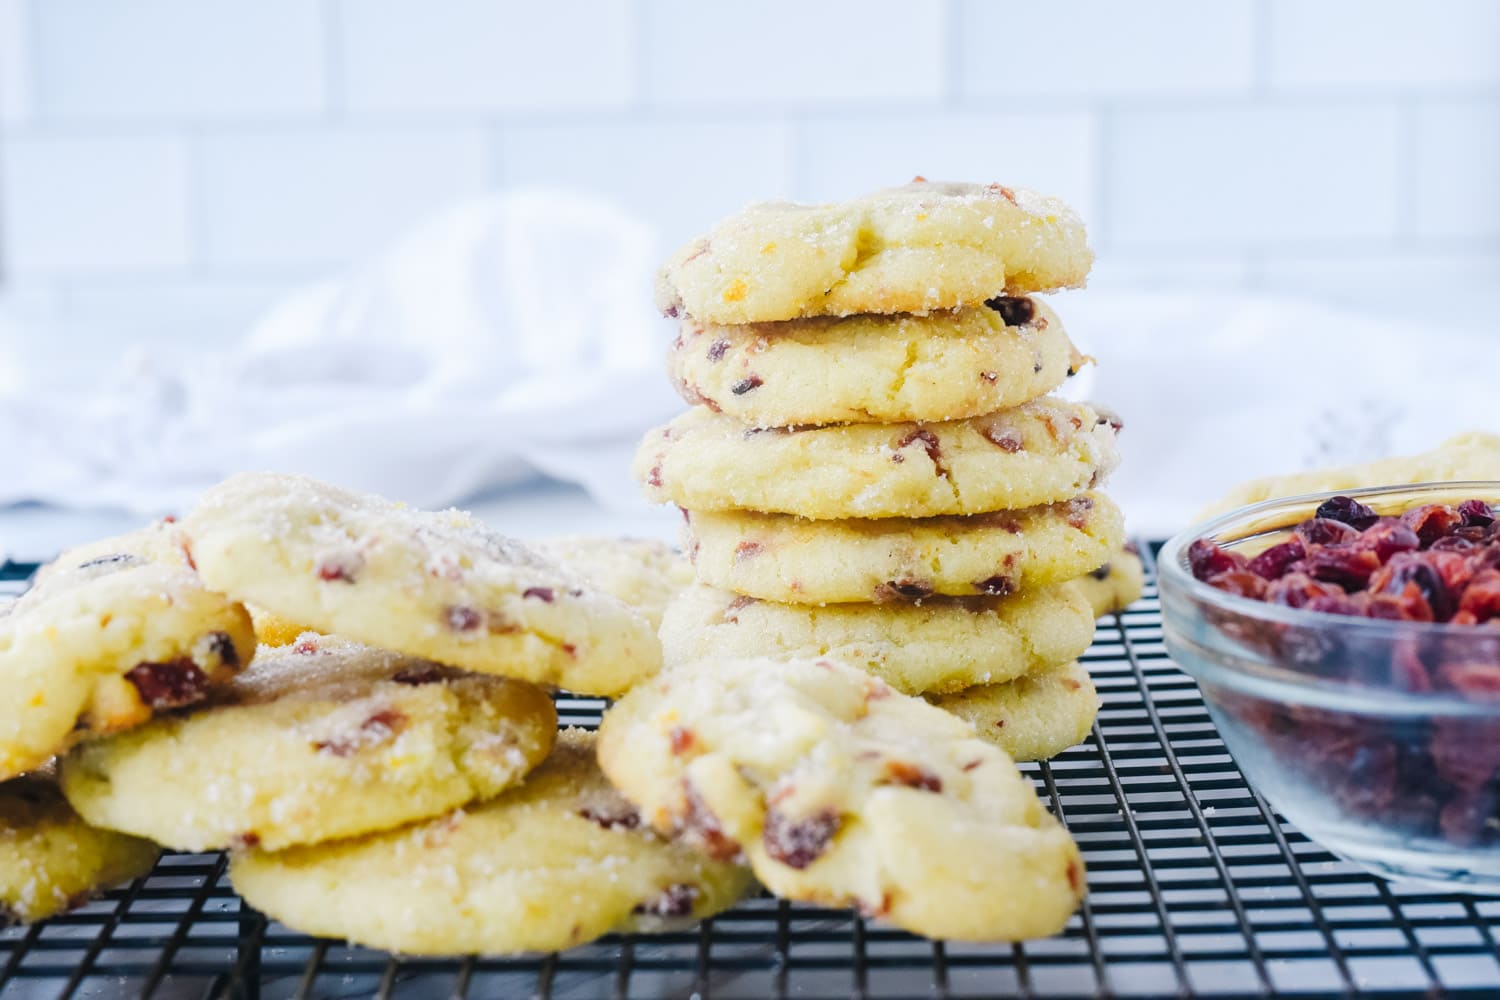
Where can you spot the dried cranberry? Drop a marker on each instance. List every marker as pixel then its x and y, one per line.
pixel 420 675
pixel 1388 536
pixel 717 348
pixel 1431 521
pixel 544 594
pixel 682 739
pixel 1240 582
pixel 1474 680
pixel 674 901
pixel 380 727
pixel 1000 585
pixel 900 772
pixel 625 819
pixel 1273 562
pixel 1348 511
pixel 462 618
pixel 1295 590
pixel 1410 569
pixel 169 685
pixel 798 843
pixel 903 590
pixel 1207 559
pixel 1452 543
pixel 702 827
pixel 744 385
pixel 1349 568
pixel 1013 310
pixel 1326 531
pixel 1077 511
pixel 1476 512
pixel 929 443
pixel 1481 598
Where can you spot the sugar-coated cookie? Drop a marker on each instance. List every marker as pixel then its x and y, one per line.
pixel 643 573
pixel 776 557
pixel 557 862
pixel 940 645
pixel 840 791
pixel 1033 717
pixel 947 365
pixel 438 585
pixel 50 860
pixel 1042 452
pixel 315 741
pixel 908 249
pixel 1117 584
pixel 103 639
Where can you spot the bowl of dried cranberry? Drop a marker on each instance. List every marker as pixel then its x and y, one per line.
pixel 1348 648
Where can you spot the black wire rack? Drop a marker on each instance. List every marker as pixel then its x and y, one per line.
pixel 1196 888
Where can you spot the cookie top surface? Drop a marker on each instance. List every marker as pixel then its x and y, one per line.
pixel 1033 717
pixel 103 639
pixel 942 644
pixel 559 861
pixel 947 365
pixel 50 860
pixel 643 573
pixel 1117 584
pixel 437 584
pixel 1044 451
pixel 316 740
pixel 776 557
pixel 908 249
pixel 841 791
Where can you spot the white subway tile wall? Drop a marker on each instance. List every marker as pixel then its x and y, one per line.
pixel 168 166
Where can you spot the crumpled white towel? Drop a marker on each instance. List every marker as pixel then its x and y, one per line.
pixel 508 337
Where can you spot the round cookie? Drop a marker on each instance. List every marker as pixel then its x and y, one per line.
pixel 908 249
pixel 645 574
pixel 1117 584
pixel 50 860
pixel 942 644
pixel 557 862
pixel 840 791
pixel 315 741
pixel 100 643
pixel 875 369
pixel 779 558
pixel 433 584
pixel 1042 452
pixel 1034 717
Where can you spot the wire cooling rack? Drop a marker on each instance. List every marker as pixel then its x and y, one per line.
pixel 1195 888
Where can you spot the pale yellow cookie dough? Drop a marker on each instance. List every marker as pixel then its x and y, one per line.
pixel 50 860
pixel 909 249
pixel 1034 717
pixel 316 741
pixel 103 640
pixel 433 584
pixel 840 791
pixel 557 862
pixel 776 557
pixel 942 644
pixel 645 574
pixel 948 365
pixel 1042 452
pixel 1116 585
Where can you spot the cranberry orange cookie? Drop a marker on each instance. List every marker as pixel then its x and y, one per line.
pixel 909 249
pixel 942 644
pixel 875 369
pixel 644 574
pixel 1117 584
pixel 433 584
pixel 99 644
pixel 50 860
pixel 779 558
pixel 1032 717
pixel 557 862
pixel 1042 452
pixel 840 791
pixel 315 741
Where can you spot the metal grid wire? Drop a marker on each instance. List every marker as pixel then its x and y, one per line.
pixel 1195 888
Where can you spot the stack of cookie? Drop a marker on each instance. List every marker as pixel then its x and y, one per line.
pixel 874 469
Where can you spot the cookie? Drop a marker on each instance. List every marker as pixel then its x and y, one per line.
pixel 104 640
pixel 942 644
pixel 1042 452
pixel 875 369
pixel 645 574
pixel 557 862
pixel 1034 717
pixel 779 558
pixel 1117 584
pixel 315 741
pixel 910 249
pixel 842 792
pixel 437 585
pixel 50 860
pixel 1470 457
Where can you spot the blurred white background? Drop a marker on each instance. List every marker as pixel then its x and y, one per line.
pixel 169 168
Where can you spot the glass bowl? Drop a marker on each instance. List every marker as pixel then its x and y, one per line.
pixel 1379 739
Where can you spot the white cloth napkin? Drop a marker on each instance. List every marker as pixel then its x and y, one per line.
pixel 514 337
